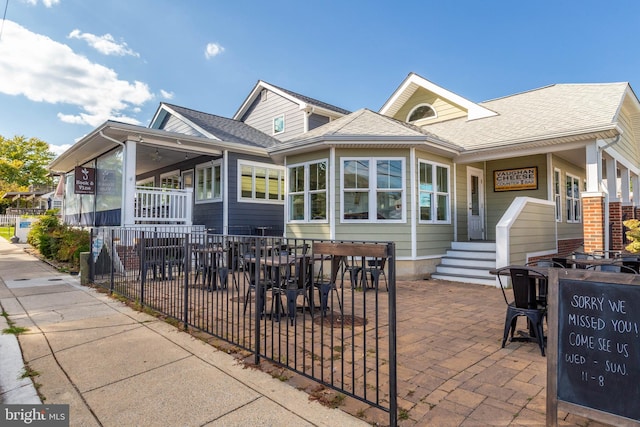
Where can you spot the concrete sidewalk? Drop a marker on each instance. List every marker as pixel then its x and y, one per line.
pixel 115 366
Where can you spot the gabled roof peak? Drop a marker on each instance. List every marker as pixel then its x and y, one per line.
pixel 302 100
pixel 413 81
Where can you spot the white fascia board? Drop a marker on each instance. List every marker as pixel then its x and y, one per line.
pixel 195 126
pixel 256 92
pixel 474 111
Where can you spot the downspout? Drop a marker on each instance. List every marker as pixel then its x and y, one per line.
pixel 123 204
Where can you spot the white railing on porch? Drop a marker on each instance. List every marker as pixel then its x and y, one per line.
pixel 154 205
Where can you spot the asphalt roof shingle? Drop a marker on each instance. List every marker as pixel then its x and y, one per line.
pixel 551 110
pixel 228 130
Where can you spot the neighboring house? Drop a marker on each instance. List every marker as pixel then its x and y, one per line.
pixel 522 171
pixel 187 167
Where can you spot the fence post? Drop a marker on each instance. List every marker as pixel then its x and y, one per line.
pixel 393 378
pixel 143 271
pixel 112 267
pixel 92 268
pixel 257 297
pixel 187 265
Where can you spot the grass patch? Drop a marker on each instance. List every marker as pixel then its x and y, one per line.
pixel 29 373
pixel 7 232
pixel 403 414
pixel 15 330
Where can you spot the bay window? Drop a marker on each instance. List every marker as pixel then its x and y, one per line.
pixel 373 189
pixel 308 191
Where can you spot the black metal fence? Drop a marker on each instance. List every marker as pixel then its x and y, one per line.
pixel 324 309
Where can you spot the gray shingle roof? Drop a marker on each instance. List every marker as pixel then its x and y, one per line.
pixel 537 114
pixel 228 130
pixel 365 122
pixel 313 101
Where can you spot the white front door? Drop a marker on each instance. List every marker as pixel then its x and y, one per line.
pixel 475 203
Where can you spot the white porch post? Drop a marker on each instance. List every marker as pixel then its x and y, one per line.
pixel 128 183
pixel 593 170
pixel 635 182
pixel 625 183
pixel 612 179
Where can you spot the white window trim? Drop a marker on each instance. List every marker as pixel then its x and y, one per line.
pixel 373 208
pixel 434 192
pixel 267 166
pixel 208 165
pixel 273 124
pixel 557 197
pixel 307 193
pixel 173 173
pixel 575 220
pixel 145 181
pixel 424 104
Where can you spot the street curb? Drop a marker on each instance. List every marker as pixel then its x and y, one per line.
pixel 13 388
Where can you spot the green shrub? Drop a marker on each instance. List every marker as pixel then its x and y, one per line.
pixel 58 241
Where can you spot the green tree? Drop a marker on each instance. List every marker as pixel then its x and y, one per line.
pixel 23 161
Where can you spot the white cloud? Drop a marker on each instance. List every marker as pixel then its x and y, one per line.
pixel 47 3
pixel 44 70
pixel 165 94
pixel 59 149
pixel 213 49
pixel 105 44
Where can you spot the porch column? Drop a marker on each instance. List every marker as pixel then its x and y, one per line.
pixel 593 221
pixel 128 183
pixel 593 213
pixel 635 183
pixel 627 204
pixel 615 205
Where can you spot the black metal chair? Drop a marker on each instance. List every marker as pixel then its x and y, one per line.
pixel 581 255
pixel 325 287
pixel 375 269
pixel 297 283
pixel 541 283
pixel 612 268
pixel 525 303
pixel 631 262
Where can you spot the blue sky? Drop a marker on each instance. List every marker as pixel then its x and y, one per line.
pixel 66 66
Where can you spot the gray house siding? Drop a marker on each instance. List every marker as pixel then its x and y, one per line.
pixel 174 124
pixel 246 216
pixel 261 113
pixel 316 120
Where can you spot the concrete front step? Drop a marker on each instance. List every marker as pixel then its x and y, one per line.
pixel 466 279
pixel 468 262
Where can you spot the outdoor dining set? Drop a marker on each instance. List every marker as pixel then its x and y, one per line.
pixel 260 266
pixel 529 284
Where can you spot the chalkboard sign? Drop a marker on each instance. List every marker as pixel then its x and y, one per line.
pixel 598 346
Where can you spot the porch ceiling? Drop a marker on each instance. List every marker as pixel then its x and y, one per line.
pixel 171 147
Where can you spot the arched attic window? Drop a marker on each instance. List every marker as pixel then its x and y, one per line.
pixel 421 111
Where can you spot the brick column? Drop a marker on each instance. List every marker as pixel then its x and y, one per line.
pixel 593 223
pixel 615 220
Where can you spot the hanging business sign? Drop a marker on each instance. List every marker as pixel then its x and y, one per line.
pixel 84 180
pixel 516 179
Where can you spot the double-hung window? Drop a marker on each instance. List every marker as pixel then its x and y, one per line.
pixel 373 189
pixel 574 211
pixel 434 193
pixel 209 182
pixel 308 192
pixel 259 182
